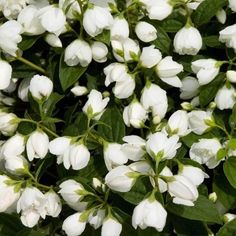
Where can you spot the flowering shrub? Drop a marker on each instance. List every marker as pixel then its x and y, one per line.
pixel 118 117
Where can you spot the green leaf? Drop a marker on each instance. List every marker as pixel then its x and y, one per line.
pixel 50 105
pixel 212 41
pixel 69 75
pixel 104 37
pixel 163 42
pixel 230 170
pixel 232 118
pixel 221 154
pixel 203 210
pixel 171 25
pixel 27 42
pixel 229 229
pixel 232 144
pixel 208 91
pixel 225 192
pixel 206 10
pixel 115 130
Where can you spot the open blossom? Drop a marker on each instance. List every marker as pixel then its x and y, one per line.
pixel 228 35
pixel 188 41
pixel 11 8
pixel 205 152
pixel 96 19
pixel 78 52
pixel 53 204
pixel 111 223
pixel 95 106
pixel 206 70
pixel 10 36
pixel 159 144
pixel 134 147
pixel 118 24
pixel 150 56
pixel 149 213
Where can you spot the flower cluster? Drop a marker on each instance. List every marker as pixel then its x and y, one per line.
pixel 118 117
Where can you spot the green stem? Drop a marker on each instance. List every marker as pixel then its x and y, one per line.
pixel 49 131
pixel 224 130
pixel 35 182
pixel 31 64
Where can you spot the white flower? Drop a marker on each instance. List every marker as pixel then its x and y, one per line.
pixel 125 50
pixel 53 40
pixel 6 73
pixel 96 219
pixel 182 190
pixel 167 69
pixel 194 174
pixel 225 97
pixel 103 3
pixel 23 89
pixel 69 190
pixel 154 98
pixel 159 144
pixel 178 123
pixel 37 145
pixel 197 121
pixel 30 22
pixel 10 36
pixel 228 217
pixel 53 204
pixel 158 10
pixel 78 90
pixel 188 41
pixel 150 56
pixel 125 83
pixel 120 179
pixel 149 213
pixel 40 87
pixel 78 52
pixel 145 31
pixel 99 52
pixel 221 16
pixel 52 19
pixel 111 223
pixel 205 151
pixel 118 24
pixel 16 165
pixel 228 36
pixel 231 76
pixel 206 70
pixel 232 5
pixel 190 87
pixel 73 226
pixel 11 8
pixel 134 114
pixel 134 147
pixel 162 184
pixel 77 156
pixel 8 195
pixel 95 105
pixel 73 6
pixel 114 155
pixel 32 206
pixel 8 123
pixel 14 146
pixel 96 19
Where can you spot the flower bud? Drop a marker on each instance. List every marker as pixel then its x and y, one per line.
pixel 53 204
pixel 231 76
pixel 8 123
pixel 188 41
pixel 206 70
pixel 79 90
pixel 150 56
pixel 96 19
pixel 114 156
pixel 111 223
pixel 212 197
pixel 232 5
pixel 6 73
pixel 73 226
pixel 78 52
pixel 225 97
pixel 37 145
pixel 145 31
pixel 99 52
pixel 190 87
pixel 135 114
pixel 96 218
pixel 95 105
pixel 197 121
pixel 221 16
pixel 149 213
pixel 53 40
pixel 205 152
pixel 23 89
pixel 41 87
pixel 116 32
